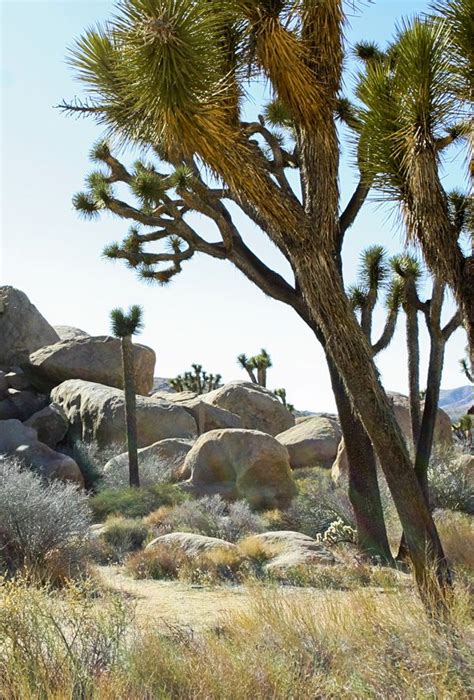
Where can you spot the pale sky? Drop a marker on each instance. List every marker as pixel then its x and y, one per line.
pixel 210 313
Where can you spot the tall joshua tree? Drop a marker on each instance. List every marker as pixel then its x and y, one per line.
pixel 171 75
pixel 124 326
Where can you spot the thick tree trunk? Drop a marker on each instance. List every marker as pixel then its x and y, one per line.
pixel 414 372
pixel 323 290
pixel 130 410
pixel 364 492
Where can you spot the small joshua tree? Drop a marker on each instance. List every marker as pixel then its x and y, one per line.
pixel 260 363
pixel 198 381
pixel 124 326
pixel 281 394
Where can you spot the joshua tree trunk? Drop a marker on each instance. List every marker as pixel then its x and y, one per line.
pixel 414 372
pixel 323 290
pixel 130 409
pixel 364 492
pixel 430 411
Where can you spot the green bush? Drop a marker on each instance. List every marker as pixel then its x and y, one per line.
pixel 134 503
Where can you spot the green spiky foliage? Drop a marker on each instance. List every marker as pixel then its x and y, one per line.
pixel 373 278
pixel 197 380
pixel 412 112
pixel 458 17
pixel 259 363
pixel 281 394
pixel 126 323
pixel 466 368
pixel 368 51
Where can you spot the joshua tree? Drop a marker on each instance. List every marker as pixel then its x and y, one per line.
pixel 409 273
pixel 281 394
pixel 417 100
pixel 124 326
pixel 197 381
pixel 260 362
pixel 170 76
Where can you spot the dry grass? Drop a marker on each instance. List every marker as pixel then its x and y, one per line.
pixel 351 645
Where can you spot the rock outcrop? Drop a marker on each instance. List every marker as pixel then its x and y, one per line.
pixel 163 460
pixel 190 544
pixel 257 407
pixel 240 464
pixel 312 442
pixel 20 441
pixel 70 333
pixel 22 328
pixel 50 424
pixel 207 416
pixel 93 359
pixel 287 549
pixel 96 413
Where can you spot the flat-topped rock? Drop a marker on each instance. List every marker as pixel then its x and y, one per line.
pixel 93 359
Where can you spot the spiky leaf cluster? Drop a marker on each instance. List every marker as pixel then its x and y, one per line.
pixel 407 103
pixel 125 324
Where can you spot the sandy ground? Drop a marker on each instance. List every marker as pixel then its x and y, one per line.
pixel 171 603
pixel 175 603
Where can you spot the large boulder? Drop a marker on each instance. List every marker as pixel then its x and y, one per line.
pixel 190 544
pixel 240 464
pixel 312 442
pixel 207 416
pixel 96 413
pixel 287 549
pixel 161 461
pixel 21 441
pixel 21 404
pixel 258 408
pixel 50 424
pixel 93 359
pixel 401 407
pixel 22 328
pixel 70 333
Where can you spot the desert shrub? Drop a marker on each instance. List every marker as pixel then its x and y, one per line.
pixel 43 525
pixel 133 502
pixel 92 459
pixel 165 561
pixel 152 472
pixel 159 562
pixel 211 516
pixel 120 537
pixel 318 504
pixel 54 640
pixel 451 482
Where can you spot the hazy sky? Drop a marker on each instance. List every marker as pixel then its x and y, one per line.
pixel 210 313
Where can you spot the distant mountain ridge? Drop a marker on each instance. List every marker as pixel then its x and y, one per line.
pixel 457 402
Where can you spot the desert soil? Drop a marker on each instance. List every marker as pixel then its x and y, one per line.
pixel 171 603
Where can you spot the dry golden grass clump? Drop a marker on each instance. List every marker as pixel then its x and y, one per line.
pixel 82 643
